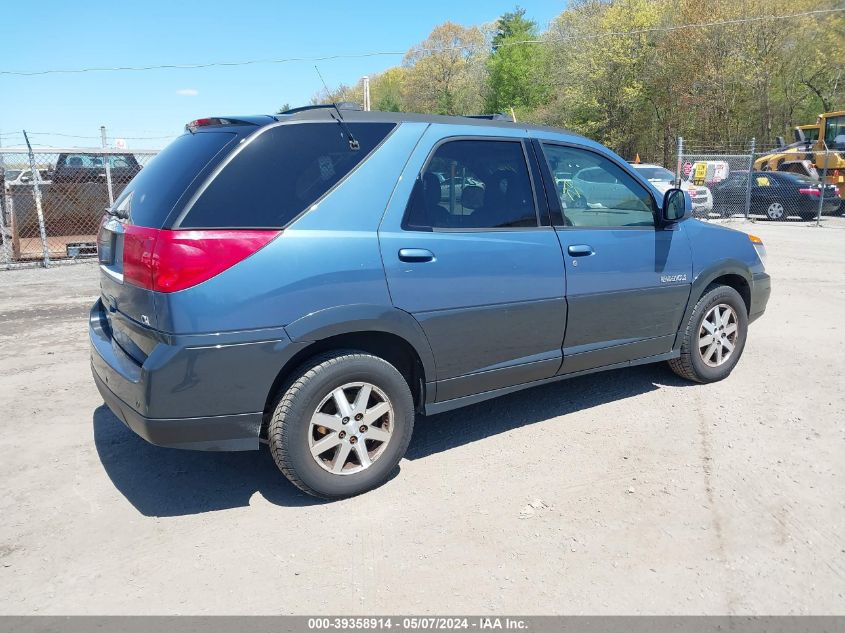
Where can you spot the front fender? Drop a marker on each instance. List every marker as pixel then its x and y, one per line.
pixel 707 276
pixel 365 318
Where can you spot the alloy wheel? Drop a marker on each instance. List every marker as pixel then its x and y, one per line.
pixel 351 428
pixel 718 334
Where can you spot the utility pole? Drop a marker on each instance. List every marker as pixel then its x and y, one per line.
pixel 4 207
pixel 107 164
pixel 36 194
pixel 366 93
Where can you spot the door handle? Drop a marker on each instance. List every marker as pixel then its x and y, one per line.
pixel 416 255
pixel 581 250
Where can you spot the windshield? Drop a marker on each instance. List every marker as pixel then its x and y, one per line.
pixel 811 134
pixel 88 161
pixel 12 174
pixel 656 173
pixel 835 131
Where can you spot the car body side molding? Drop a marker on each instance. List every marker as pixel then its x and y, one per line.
pixel 350 319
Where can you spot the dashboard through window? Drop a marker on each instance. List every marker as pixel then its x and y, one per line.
pixel 595 192
pixel 473 184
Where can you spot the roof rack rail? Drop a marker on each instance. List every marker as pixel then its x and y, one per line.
pixel 341 105
pixel 496 116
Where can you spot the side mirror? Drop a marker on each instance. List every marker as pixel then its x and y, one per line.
pixel 677 206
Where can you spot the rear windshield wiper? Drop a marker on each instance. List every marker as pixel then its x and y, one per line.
pixel 120 214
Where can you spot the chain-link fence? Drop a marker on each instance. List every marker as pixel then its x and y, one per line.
pixel 790 183
pixel 53 200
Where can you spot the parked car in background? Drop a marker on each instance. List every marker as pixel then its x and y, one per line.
pixel 801 167
pixel 74 203
pixel 85 168
pixel 18 177
pixel 300 279
pixel 775 195
pixel 663 179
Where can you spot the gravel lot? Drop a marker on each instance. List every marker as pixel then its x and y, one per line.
pixel 624 492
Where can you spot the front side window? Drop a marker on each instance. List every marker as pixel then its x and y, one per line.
pixel 280 173
pixel 473 184
pixel 596 192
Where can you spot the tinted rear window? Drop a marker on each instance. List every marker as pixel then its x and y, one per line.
pixel 800 179
pixel 280 173
pixel 158 186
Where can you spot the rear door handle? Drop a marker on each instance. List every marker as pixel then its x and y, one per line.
pixel 416 255
pixel 581 250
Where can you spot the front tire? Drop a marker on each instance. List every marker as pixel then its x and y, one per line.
pixel 714 337
pixel 776 211
pixel 342 424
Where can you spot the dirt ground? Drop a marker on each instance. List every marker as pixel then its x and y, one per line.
pixel 624 492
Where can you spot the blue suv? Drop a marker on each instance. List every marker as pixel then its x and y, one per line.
pixel 316 279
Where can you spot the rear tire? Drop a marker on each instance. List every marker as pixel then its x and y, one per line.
pixel 341 424
pixel 722 316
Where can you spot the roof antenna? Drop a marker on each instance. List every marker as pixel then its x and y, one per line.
pixel 353 142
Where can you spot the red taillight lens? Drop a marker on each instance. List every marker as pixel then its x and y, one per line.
pixel 138 245
pixel 168 261
pixel 811 192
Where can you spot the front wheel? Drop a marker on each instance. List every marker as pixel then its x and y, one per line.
pixel 714 337
pixel 342 425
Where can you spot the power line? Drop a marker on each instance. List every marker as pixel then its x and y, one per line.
pixel 549 40
pixel 111 135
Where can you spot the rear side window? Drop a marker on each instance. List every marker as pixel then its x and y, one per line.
pixel 281 173
pixel 473 184
pixel 158 186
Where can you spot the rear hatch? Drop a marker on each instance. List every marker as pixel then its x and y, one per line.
pixel 202 206
pixel 129 228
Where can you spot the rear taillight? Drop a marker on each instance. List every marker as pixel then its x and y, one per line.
pixel 105 242
pixel 811 192
pixel 167 261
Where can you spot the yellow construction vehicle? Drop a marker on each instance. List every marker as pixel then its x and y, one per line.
pixel 822 144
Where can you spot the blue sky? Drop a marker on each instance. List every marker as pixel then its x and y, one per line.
pixel 53 34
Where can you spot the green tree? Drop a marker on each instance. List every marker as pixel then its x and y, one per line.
pixel 516 69
pixel 386 90
pixel 445 74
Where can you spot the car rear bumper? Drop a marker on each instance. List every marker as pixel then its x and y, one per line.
pixel 761 290
pixel 203 392
pixel 218 433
